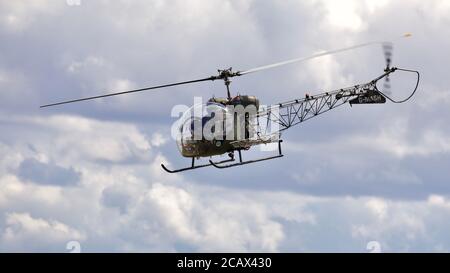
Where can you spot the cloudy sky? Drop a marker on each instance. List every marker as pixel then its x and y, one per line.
pixel 90 172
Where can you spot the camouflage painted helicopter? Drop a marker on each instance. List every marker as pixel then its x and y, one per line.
pixel 241 130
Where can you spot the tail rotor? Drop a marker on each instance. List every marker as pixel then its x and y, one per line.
pixel 387 50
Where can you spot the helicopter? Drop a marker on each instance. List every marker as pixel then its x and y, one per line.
pixel 235 123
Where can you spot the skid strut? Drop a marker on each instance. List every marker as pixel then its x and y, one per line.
pixel 193 166
pixel 240 163
pixel 219 165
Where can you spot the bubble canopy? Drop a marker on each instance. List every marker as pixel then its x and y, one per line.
pixel 200 122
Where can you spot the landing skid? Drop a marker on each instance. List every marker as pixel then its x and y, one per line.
pixel 193 166
pixel 240 163
pixel 219 163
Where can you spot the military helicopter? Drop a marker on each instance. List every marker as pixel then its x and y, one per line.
pixel 242 129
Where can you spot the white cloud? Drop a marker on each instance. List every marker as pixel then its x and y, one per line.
pixel 79 138
pixel 395 139
pixel 327 73
pixel 87 64
pixel 350 15
pixel 103 192
pixel 378 206
pixel 158 139
pixel 439 201
pixel 18 15
pixel 345 14
pixel 434 97
pixel 395 223
pixel 24 231
pixel 125 202
pixel 215 225
pixel 151 216
pixel 395 136
pixel 13 190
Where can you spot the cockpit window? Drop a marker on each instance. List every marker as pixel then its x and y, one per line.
pixel 195 119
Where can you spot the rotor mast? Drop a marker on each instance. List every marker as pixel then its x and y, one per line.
pixel 227 84
pixel 225 75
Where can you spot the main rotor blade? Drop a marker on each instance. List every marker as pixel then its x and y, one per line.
pixel 296 60
pixel 406 35
pixel 212 78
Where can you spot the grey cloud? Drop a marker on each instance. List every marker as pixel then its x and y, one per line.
pixel 348 153
pixel 47 173
pixel 116 198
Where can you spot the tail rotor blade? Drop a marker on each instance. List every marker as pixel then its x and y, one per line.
pixel 387 86
pixel 387 50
